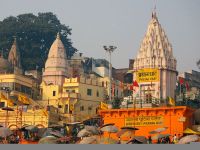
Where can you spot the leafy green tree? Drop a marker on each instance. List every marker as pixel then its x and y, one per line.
pixel 34 34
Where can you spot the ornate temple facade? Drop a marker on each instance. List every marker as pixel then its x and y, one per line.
pixel 154 68
pixel 56 65
pixel 14 58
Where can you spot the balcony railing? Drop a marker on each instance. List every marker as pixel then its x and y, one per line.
pixel 70 95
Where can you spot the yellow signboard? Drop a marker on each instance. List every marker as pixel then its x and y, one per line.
pixel 147 75
pixel 144 121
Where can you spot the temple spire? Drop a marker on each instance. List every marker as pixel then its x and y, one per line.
pixel 14 56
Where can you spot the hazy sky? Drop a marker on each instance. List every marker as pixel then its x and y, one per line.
pixel 121 23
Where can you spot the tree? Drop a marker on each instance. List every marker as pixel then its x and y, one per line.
pixel 34 34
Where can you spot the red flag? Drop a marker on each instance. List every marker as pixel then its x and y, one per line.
pixel 187 86
pixel 131 87
pixel 135 83
pixel 181 80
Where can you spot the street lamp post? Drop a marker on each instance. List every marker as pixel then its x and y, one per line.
pixel 110 49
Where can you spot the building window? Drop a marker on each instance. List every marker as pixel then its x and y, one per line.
pixel 2 104
pixel 73 91
pixel 89 92
pixel 89 107
pixel 97 93
pixel 66 109
pixel 67 91
pixel 82 108
pixel 54 93
pixel 103 83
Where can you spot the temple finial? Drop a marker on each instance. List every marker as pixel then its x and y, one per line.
pixel 58 35
pixel 154 10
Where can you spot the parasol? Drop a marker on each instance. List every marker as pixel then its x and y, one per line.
pixel 93 129
pixel 4 132
pixel 56 134
pixel 48 140
pixel 31 128
pixel 83 133
pixel 188 139
pixel 158 130
pixel 88 140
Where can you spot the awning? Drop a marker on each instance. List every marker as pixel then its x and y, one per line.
pixel 190 131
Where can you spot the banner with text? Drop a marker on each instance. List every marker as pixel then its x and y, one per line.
pixel 144 121
pixel 147 75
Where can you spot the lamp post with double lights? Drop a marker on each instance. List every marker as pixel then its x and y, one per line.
pixel 110 49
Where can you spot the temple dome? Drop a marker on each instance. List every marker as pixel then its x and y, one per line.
pixel 57 59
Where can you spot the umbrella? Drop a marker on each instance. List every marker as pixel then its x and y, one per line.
pixel 110 129
pixel 88 140
pixel 138 140
pixel 31 128
pixel 56 134
pixel 93 129
pixel 141 139
pixel 48 140
pixel 83 133
pixel 4 132
pixel 125 133
pixel 130 128
pixel 158 130
pixel 7 109
pixel 109 124
pixel 55 126
pixel 158 136
pixel 47 132
pixel 188 139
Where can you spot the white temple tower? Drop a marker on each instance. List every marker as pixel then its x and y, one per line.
pixel 56 65
pixel 155 66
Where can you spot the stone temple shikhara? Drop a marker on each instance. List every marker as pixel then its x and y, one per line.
pixel 154 68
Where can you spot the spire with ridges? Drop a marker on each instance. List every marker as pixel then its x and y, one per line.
pixel 155 49
pixel 14 55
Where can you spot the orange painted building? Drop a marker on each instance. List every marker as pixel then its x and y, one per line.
pixel 177 119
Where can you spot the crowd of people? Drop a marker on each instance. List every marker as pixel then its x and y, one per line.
pixel 12 139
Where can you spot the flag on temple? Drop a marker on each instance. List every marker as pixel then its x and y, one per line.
pixel 131 87
pixel 135 84
pixel 23 99
pixel 171 101
pixel 181 81
pixel 3 96
pixel 187 86
pixel 103 105
pixel 10 102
